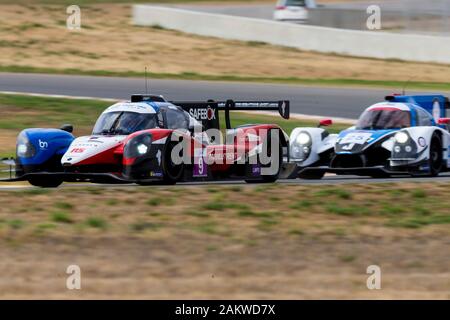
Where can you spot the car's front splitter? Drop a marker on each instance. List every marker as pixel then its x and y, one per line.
pixel 359 171
pixel 110 178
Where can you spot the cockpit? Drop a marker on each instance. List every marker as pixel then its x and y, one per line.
pixel 384 118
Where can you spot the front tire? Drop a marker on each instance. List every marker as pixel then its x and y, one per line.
pixel 435 157
pixel 172 172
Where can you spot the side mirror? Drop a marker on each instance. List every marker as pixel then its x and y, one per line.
pixel 325 123
pixel 67 127
pixel 444 121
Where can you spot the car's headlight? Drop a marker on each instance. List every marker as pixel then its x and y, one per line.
pixel 24 147
pixel 142 149
pixel 401 137
pixel 301 147
pixel 303 138
pixel 138 146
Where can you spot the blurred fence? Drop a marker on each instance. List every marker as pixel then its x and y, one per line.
pixel 372 44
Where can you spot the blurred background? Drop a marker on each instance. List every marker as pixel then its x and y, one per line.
pixel 283 241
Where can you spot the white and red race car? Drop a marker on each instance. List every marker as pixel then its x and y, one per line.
pixel 149 139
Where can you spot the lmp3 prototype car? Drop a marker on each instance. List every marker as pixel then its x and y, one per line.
pixel 139 141
pixel 405 135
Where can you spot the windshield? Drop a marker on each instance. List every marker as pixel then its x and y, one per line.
pixel 124 123
pixel 384 119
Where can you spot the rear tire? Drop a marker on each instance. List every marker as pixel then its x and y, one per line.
pixel 435 157
pixel 45 182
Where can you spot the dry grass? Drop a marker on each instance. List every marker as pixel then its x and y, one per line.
pixel 35 36
pixel 227 242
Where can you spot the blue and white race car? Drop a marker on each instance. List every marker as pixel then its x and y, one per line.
pixel 405 135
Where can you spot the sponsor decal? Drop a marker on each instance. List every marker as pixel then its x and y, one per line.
pixel 203 114
pixel 77 150
pixel 283 107
pixel 43 144
pixel 157 174
pixel 348 147
pixel 256 170
pixel 356 138
pixel 200 167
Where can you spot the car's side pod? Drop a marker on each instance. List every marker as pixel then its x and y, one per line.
pixel 41 149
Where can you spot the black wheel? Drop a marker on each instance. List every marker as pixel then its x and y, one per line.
pixel 274 177
pixel 311 175
pixel 172 172
pixel 435 158
pixel 45 182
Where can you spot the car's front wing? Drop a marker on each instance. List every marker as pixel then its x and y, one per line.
pixel 110 178
pixel 358 171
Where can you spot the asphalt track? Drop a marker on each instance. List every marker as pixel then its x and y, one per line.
pixel 322 101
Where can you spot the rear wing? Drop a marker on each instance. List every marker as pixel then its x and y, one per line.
pixel 208 112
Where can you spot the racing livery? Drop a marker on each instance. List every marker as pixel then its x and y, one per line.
pixel 134 142
pixel 403 135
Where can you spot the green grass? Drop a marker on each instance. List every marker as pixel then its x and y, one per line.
pixel 140 226
pixel 391 84
pixel 340 193
pixel 347 258
pixel 302 204
pixel 64 205
pixel 112 202
pixel 16 224
pixel 96 222
pixel 42 227
pixel 197 213
pixel 418 221
pixel 207 228
pixel 60 217
pixel 419 194
pixel 258 214
pixel 347 210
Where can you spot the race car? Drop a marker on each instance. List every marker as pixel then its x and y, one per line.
pixel 404 135
pixel 148 139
